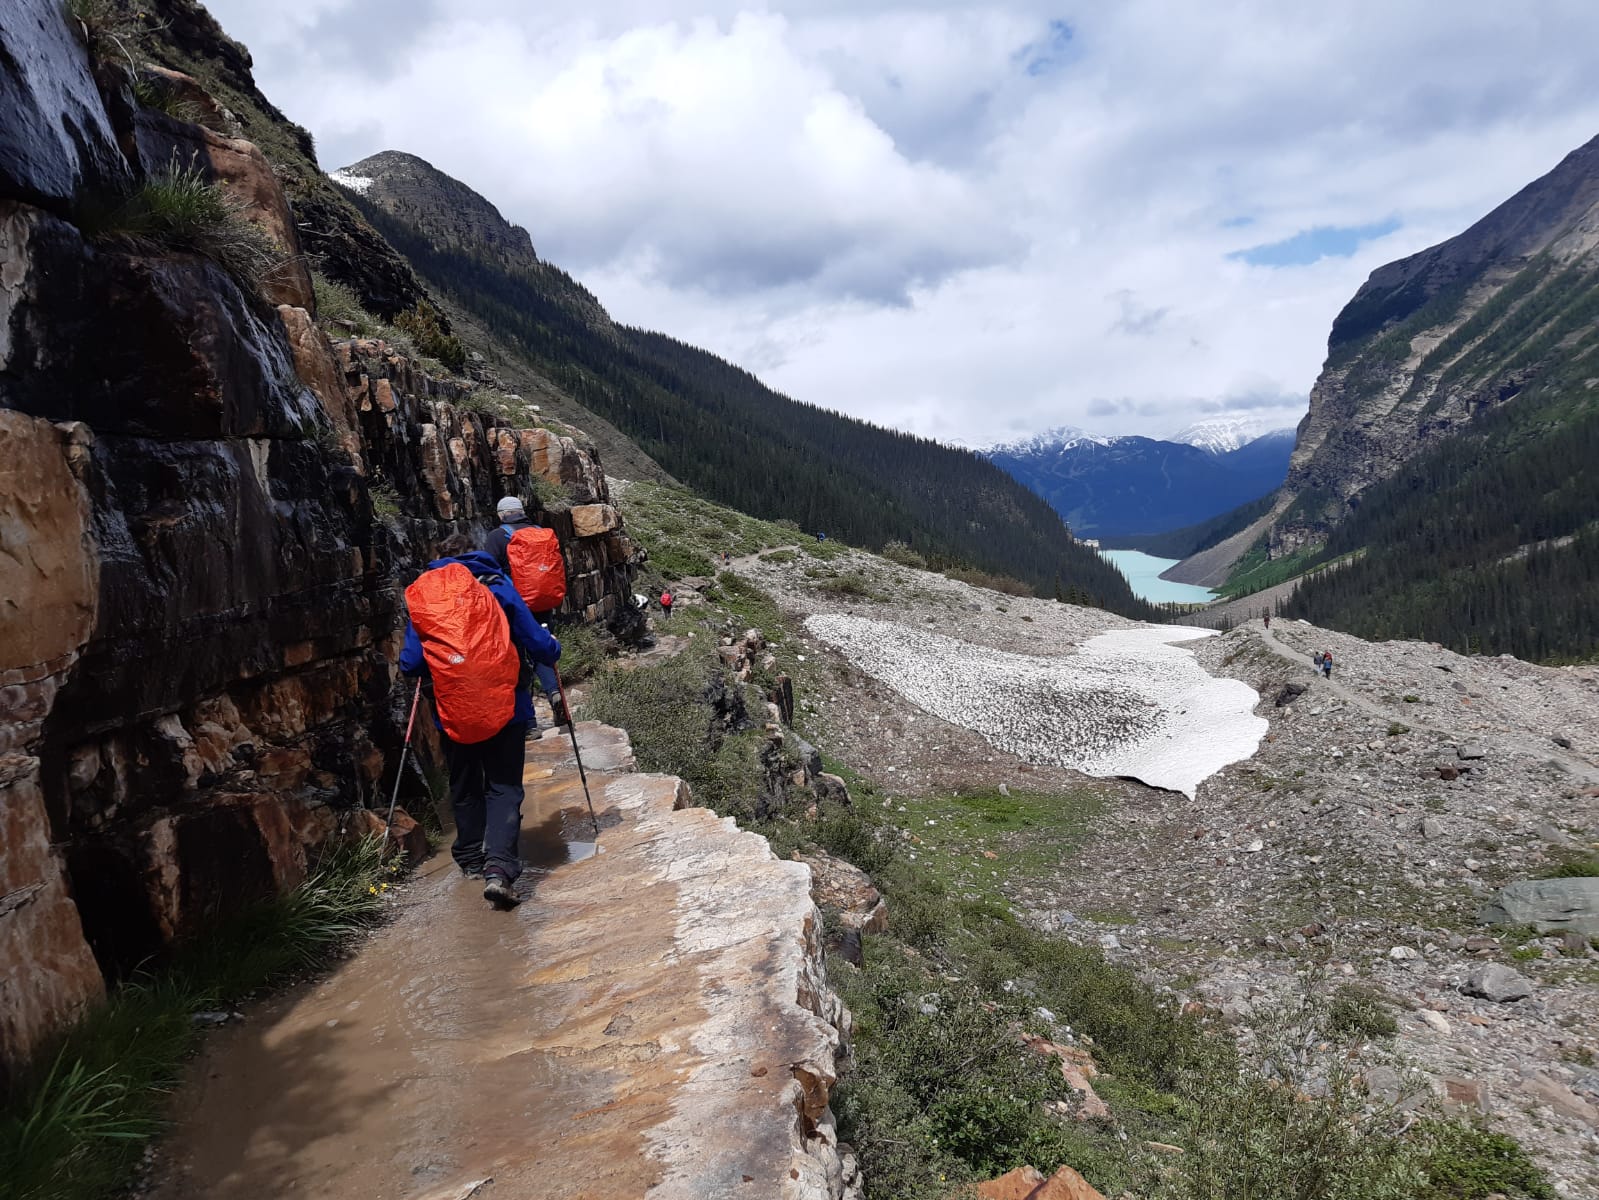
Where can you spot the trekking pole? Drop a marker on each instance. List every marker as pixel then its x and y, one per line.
pixel 571 728
pixel 399 772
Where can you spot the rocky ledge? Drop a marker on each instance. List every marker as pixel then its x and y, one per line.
pixel 653 1020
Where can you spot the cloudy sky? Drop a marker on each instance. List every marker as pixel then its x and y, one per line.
pixel 971 221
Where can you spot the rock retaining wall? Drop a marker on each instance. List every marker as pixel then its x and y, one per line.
pixel 200 601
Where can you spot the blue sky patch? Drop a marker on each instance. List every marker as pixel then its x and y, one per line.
pixel 1311 245
pixel 1050 52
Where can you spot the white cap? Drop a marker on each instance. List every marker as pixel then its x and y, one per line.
pixel 509 508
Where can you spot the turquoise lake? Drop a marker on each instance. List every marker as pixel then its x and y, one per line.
pixel 1143 572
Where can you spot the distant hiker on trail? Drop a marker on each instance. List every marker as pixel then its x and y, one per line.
pixel 1326 663
pixel 820 536
pixel 1266 617
pixel 1316 659
pixel 666 605
pixel 530 556
pixel 468 632
pixel 727 558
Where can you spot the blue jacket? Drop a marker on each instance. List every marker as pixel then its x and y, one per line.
pixel 527 635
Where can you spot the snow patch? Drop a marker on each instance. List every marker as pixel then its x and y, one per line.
pixel 356 183
pixel 1219 435
pixel 1130 702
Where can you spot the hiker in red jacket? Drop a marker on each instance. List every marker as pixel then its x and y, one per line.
pixel 469 631
pixel 514 519
pixel 666 605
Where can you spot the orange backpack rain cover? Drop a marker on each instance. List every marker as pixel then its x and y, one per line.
pixel 467 643
pixel 537 568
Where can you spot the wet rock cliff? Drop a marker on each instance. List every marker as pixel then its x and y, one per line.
pixel 207 514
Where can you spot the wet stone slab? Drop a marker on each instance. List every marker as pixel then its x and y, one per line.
pixel 651 1021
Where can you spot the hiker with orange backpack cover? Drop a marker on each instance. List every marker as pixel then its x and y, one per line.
pixel 530 556
pixel 468 630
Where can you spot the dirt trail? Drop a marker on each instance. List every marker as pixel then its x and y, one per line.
pixel 567 1049
pixel 1538 747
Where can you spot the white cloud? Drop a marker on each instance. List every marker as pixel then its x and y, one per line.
pixel 970 221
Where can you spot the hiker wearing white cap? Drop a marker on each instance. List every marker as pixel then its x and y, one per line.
pixel 513 517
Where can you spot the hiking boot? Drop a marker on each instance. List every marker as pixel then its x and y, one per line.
pixel 473 872
pixel 558 712
pixel 497 890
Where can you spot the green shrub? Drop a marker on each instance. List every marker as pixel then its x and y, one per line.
pixel 901 553
pixel 674 729
pixel 1464 1162
pixel 1575 866
pixel 1360 1012
pixel 385 501
pixel 338 304
pixel 157 94
pixel 994 583
pixel 583 651
pixel 424 325
pixel 551 497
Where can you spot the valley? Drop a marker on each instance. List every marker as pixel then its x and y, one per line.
pixel 928 823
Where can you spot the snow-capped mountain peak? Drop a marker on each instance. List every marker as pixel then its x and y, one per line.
pixel 1062 437
pixel 1219 435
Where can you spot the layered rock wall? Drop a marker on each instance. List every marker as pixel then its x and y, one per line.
pixel 200 599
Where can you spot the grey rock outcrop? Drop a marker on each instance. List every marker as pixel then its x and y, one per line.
pixel 56 141
pixel 1497 982
pixel 1550 905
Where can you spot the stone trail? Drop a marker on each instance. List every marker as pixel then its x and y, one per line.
pixel 1578 767
pixel 652 1021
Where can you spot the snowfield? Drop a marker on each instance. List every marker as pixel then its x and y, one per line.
pixel 1130 702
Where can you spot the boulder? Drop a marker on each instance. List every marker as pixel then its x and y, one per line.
pixel 842 888
pixel 1497 982
pixel 592 520
pixel 1289 693
pixel 51 974
pixel 1026 1183
pixel 1550 905
pixel 1019 1184
pixel 56 141
pixel 830 789
pixel 406 837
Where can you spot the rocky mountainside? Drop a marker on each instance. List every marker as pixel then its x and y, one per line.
pixel 1113 488
pixel 446 212
pixel 1446 460
pixel 712 425
pixel 209 509
pixel 1501 312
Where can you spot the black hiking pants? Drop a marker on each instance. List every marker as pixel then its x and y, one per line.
pixel 486 794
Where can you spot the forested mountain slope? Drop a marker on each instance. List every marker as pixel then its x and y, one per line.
pixel 1452 435
pixel 713 425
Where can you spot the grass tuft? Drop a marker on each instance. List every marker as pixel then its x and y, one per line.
pixel 179 209
pixel 75 1127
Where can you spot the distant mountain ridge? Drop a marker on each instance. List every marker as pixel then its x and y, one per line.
pixel 1124 487
pixel 1220 435
pixel 709 423
pixel 1447 459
